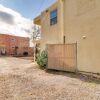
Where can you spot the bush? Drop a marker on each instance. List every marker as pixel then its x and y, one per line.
pixel 42 59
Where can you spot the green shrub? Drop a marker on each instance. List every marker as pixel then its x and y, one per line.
pixel 42 59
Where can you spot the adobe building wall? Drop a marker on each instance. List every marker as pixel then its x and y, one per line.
pixel 51 33
pixel 79 22
pixel 82 26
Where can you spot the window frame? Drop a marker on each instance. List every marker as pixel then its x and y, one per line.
pixel 54 20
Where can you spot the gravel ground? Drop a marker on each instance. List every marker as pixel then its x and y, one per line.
pixel 21 79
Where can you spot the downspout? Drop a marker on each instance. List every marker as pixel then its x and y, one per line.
pixel 64 39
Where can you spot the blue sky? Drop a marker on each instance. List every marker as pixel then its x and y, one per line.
pixel 16 15
pixel 27 8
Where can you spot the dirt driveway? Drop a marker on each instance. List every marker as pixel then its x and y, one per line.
pixel 20 79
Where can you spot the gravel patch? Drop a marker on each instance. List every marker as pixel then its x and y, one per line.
pixel 21 79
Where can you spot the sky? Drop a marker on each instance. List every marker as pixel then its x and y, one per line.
pixel 27 8
pixel 16 15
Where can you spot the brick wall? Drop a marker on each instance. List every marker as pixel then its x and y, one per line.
pixel 15 45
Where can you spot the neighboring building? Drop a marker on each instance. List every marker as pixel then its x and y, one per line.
pixel 15 45
pixel 74 21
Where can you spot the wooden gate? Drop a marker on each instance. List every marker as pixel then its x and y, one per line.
pixel 62 57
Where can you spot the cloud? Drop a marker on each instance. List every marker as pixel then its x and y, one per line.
pixel 7 18
pixel 12 22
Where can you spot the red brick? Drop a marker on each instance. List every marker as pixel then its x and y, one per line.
pixel 15 45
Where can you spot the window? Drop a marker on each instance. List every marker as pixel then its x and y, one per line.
pixel 13 47
pixel 53 17
pixel 13 39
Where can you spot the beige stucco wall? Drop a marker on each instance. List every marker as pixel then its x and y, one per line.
pixel 82 25
pixel 51 34
pixel 79 21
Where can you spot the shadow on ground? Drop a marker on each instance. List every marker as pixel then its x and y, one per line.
pixel 79 76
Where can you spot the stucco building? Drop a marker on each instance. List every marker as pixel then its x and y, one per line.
pixel 15 45
pixel 74 21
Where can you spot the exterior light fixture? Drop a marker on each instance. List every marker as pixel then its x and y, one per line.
pixel 84 37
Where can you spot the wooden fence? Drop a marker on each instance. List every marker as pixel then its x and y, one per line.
pixel 62 57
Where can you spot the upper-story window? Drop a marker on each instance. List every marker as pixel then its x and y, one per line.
pixel 53 17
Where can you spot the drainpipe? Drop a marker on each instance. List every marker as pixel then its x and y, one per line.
pixel 64 39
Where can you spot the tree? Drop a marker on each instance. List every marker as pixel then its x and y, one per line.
pixel 36 36
pixel 36 32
